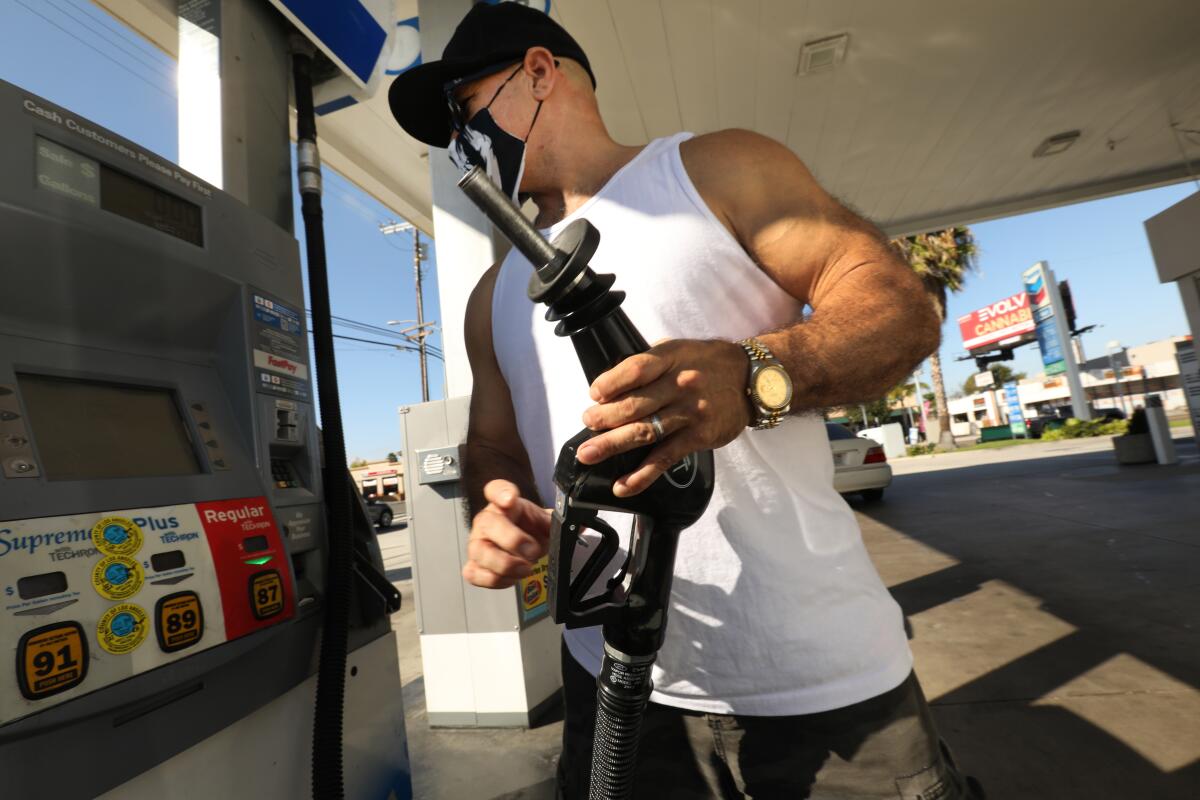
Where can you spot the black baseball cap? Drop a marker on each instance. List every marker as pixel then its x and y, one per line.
pixel 489 35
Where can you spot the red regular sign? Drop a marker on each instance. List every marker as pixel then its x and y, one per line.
pixel 1001 320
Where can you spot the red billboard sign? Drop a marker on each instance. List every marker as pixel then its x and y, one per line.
pixel 1001 320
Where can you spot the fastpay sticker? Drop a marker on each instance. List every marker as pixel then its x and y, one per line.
pixel 122 628
pixel 117 577
pixel 117 536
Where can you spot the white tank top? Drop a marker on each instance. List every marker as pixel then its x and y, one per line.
pixel 776 608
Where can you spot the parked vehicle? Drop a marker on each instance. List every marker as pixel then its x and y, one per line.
pixel 1042 423
pixel 859 465
pixel 379 513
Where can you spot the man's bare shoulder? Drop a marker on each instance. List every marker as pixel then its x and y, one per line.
pixel 745 177
pixel 479 313
pixel 733 153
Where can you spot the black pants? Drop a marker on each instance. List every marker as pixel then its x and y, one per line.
pixel 884 747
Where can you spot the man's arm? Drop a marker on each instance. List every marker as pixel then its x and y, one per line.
pixel 509 528
pixel 872 321
pixel 494 449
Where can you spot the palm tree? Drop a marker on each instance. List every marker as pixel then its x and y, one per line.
pixel 942 260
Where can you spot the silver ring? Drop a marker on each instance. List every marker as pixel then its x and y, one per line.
pixel 656 423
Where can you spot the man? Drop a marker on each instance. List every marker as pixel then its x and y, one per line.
pixel 785 672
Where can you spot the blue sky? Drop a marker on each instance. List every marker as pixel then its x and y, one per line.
pixel 75 55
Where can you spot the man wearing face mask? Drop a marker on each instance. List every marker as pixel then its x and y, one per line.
pixel 785 672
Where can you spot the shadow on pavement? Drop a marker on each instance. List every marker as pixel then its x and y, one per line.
pixel 1054 613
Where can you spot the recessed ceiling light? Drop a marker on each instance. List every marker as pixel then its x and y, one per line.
pixel 1055 144
pixel 822 55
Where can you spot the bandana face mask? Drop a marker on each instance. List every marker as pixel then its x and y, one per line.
pixel 483 143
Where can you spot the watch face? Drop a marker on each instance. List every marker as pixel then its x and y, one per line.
pixel 773 387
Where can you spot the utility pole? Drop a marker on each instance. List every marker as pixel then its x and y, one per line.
pixel 921 401
pixel 418 257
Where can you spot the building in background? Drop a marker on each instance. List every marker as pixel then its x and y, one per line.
pixel 383 480
pixel 1143 370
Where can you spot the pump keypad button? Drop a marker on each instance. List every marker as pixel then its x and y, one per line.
pixel 282 474
pixel 266 594
pixel 179 621
pixel 51 659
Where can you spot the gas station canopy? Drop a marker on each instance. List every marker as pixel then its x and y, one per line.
pixel 923 115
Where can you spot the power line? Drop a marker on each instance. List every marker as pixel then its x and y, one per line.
pixel 125 67
pixel 109 21
pixel 155 67
pixel 382 344
pixel 366 327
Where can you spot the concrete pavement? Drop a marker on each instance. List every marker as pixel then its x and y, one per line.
pixel 1052 603
pixel 1054 614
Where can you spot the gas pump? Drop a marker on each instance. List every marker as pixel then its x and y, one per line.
pixel 164 528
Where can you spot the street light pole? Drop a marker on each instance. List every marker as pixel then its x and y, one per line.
pixel 404 227
pixel 1115 345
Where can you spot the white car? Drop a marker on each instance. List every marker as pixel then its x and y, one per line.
pixel 859 465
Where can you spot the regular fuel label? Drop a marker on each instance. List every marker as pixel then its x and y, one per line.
pixel 122 628
pixel 117 577
pixel 117 536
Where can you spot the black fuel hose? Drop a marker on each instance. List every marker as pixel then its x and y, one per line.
pixel 327 780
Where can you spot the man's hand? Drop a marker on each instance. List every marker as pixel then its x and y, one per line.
pixel 698 390
pixel 508 537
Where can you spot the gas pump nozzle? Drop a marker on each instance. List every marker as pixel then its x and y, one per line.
pixel 633 608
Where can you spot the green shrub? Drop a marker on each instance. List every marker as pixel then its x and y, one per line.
pixel 921 449
pixel 1138 423
pixel 1078 429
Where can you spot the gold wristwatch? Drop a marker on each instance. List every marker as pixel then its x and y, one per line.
pixel 769 387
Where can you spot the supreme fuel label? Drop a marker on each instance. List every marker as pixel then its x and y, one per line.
pixel 51 659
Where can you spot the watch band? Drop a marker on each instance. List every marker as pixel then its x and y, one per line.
pixel 760 355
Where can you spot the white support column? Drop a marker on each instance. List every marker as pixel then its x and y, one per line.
pixel 465 244
pixel 1174 236
pixel 200 89
pixel 485 663
pixel 234 78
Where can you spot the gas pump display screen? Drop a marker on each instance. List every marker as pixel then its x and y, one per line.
pixel 149 205
pixel 85 430
pixel 63 171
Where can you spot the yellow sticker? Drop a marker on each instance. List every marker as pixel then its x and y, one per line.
pixel 117 536
pixel 533 590
pixel 122 628
pixel 117 577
